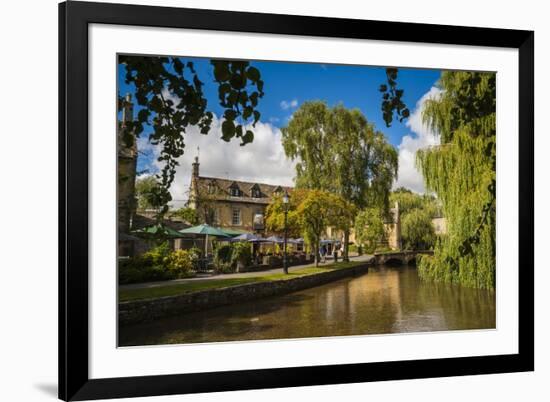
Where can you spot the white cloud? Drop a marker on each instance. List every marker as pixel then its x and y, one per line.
pixel 285 105
pixel 262 161
pixel 421 137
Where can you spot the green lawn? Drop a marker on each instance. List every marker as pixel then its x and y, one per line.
pixel 198 285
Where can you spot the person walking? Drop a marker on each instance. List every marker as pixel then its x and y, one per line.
pixel 323 254
pixel 335 253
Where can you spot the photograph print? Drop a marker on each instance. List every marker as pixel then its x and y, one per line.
pixel 264 200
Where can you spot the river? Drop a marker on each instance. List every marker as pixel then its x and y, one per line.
pixel 386 300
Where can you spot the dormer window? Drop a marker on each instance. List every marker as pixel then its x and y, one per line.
pixel 235 191
pixel 255 191
pixel 278 190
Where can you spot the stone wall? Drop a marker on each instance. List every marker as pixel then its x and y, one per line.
pixel 148 310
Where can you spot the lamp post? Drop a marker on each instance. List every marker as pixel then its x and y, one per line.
pixel 285 204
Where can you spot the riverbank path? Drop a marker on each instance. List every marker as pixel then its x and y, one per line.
pixel 202 277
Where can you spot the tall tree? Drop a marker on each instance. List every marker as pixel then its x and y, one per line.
pixel 369 229
pixel 338 150
pixel 462 173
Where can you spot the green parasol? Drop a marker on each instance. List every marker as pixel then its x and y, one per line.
pixel 205 230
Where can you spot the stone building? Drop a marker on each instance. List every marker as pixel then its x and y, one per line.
pixel 233 204
pixel 126 161
pixel 126 168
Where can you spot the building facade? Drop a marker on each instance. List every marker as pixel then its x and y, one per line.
pixel 126 165
pixel 231 204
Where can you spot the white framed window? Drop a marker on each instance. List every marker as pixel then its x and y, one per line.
pixel 236 217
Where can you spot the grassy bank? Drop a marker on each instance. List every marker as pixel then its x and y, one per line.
pixel 207 284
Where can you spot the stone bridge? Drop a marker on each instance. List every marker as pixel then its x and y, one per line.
pixel 405 257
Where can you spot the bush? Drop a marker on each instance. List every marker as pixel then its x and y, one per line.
pixel 180 263
pixel 229 257
pixel 222 259
pixel 139 269
pixel 158 264
pixel 156 255
pixel 241 254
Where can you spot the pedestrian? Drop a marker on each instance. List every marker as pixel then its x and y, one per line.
pixel 323 254
pixel 335 253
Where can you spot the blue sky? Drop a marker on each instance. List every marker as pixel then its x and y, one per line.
pixel 287 85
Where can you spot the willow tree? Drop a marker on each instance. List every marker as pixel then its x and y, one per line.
pixel 339 151
pixel 462 173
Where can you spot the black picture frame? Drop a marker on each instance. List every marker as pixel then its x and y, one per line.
pixel 74 381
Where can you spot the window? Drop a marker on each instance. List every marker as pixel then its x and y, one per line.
pixel 235 191
pixel 256 193
pixel 236 218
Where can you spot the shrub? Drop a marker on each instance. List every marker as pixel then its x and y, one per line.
pixel 139 269
pixel 222 258
pixel 180 263
pixel 158 264
pixel 156 255
pixel 241 254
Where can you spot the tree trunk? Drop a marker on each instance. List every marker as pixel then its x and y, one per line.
pixel 316 251
pixel 345 257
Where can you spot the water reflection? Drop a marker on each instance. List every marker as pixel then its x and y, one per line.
pixel 386 300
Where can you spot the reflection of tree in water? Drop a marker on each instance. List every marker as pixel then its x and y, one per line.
pixel 457 307
pixel 386 300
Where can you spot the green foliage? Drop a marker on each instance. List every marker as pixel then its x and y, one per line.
pixel 158 264
pixel 275 214
pixel 354 248
pixel 462 173
pixel 171 98
pixel 228 257
pixel 222 258
pixel 417 230
pixel 180 263
pixel 139 269
pixel 241 254
pixel 149 194
pixel 409 201
pixel 156 255
pixel 310 212
pixel 391 99
pixel 339 151
pixel 187 214
pixel 369 229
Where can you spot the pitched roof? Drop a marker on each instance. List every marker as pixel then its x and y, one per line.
pixel 224 185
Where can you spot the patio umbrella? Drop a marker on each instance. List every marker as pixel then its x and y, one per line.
pixel 246 237
pixel 233 232
pixel 204 230
pixel 158 230
pixel 274 239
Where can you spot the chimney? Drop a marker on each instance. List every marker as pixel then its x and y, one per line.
pixel 196 167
